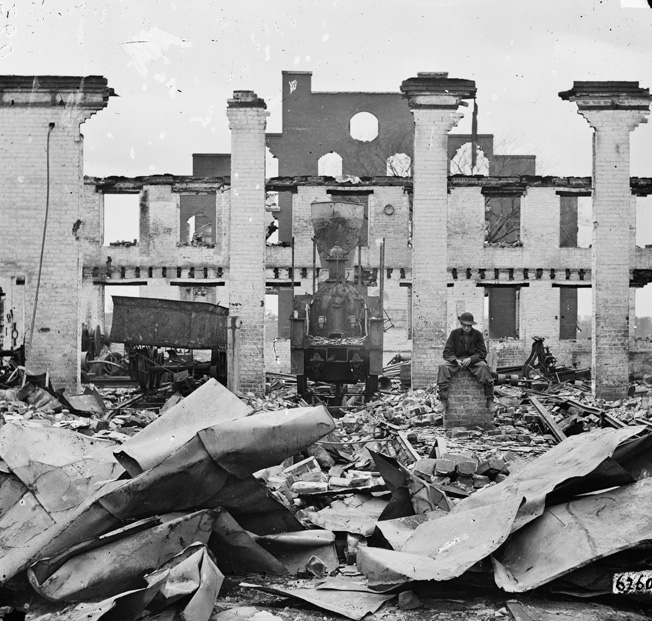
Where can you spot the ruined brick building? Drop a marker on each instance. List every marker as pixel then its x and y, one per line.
pixel 502 244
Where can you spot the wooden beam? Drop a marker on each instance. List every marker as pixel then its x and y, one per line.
pixel 548 420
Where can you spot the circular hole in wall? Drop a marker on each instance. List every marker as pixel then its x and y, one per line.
pixel 363 126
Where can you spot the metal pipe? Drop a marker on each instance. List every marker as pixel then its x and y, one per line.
pixel 382 279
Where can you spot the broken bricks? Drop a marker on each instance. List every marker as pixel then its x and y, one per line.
pixel 474 465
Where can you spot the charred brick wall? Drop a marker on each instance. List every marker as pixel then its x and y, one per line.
pixel 315 124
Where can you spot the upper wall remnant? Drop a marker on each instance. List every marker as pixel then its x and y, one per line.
pixel 315 124
pixel 318 124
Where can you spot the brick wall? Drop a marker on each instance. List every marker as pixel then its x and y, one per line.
pixel 159 264
pixel 28 105
pixel 467 406
pixel 449 241
pixel 317 123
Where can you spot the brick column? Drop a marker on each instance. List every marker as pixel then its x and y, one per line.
pixel 613 109
pixel 433 99
pixel 247 118
pixel 42 170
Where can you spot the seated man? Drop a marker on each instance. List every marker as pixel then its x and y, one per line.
pixel 465 349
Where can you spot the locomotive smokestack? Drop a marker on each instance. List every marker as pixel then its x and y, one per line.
pixel 337 223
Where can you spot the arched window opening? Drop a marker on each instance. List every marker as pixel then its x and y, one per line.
pixel 330 165
pixel 399 165
pixel 462 162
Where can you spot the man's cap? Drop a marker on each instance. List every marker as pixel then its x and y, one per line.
pixel 467 318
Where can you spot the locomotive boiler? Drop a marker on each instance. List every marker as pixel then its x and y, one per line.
pixel 337 331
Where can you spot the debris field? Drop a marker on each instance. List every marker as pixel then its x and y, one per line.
pixel 196 503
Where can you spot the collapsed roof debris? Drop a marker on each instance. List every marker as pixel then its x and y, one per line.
pixel 150 512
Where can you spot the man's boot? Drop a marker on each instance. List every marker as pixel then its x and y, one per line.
pixel 489 396
pixel 442 394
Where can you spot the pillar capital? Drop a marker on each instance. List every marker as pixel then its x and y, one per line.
pixel 90 93
pixel 437 91
pixel 609 106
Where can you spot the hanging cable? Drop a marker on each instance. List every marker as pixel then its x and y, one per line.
pixel 45 228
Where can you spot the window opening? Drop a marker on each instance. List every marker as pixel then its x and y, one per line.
pixel 584 312
pixel 330 165
pixel 198 219
pixel 399 165
pixel 121 219
pixel 502 220
pixel 462 162
pixel 644 221
pixel 271 164
pixel 575 221
pixel 363 127
pixel 272 209
pixel 643 312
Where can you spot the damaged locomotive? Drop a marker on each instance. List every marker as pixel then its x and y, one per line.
pixel 337 331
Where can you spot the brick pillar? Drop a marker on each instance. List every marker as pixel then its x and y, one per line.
pixel 613 109
pixel 247 118
pixel 40 118
pixel 433 99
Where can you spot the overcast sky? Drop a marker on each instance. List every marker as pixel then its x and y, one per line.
pixel 175 63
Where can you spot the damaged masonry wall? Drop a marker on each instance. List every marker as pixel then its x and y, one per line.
pixel 40 215
pixel 531 280
pixel 540 276
pixel 539 269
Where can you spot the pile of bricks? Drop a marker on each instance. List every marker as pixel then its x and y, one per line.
pixel 465 470
pixel 308 477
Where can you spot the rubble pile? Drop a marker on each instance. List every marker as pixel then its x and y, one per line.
pixel 98 507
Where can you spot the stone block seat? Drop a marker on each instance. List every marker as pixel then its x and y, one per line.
pixel 467 406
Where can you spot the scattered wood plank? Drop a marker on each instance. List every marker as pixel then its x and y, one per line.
pixel 518 611
pixel 547 419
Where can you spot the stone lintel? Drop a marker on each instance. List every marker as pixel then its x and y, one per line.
pixel 505 189
pixel 88 92
pixel 437 90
